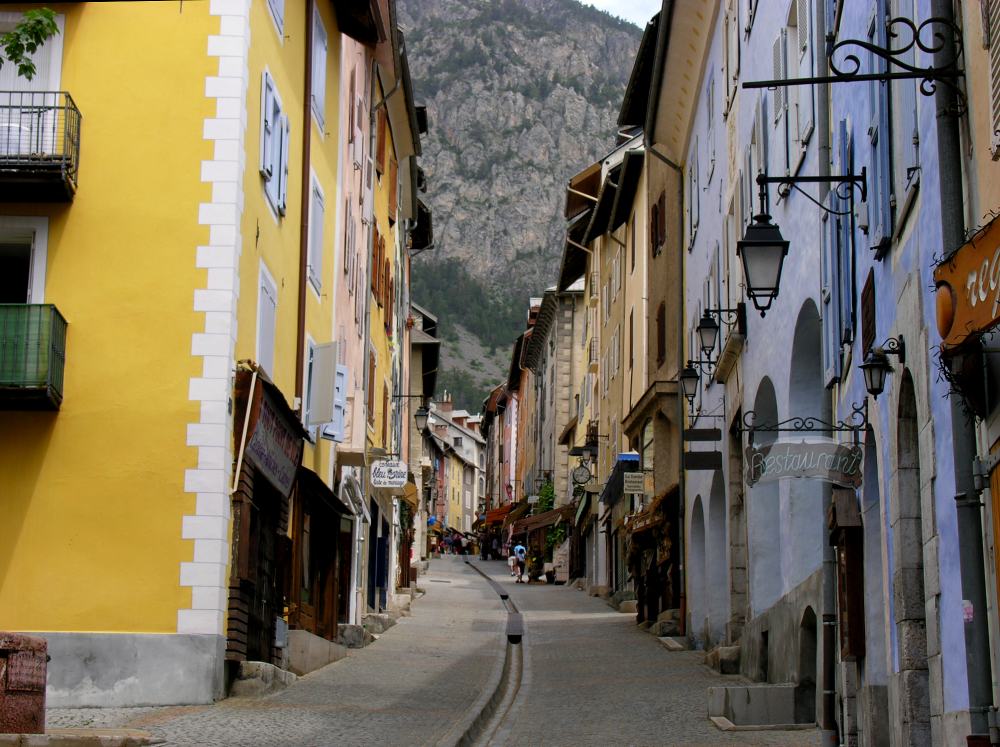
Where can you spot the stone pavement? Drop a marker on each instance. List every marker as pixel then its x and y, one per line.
pixel 591 677
pixel 413 686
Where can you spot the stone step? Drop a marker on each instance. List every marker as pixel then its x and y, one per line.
pixel 378 622
pixel 724 659
pixel 258 678
pixel 353 636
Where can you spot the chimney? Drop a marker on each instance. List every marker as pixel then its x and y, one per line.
pixel 444 405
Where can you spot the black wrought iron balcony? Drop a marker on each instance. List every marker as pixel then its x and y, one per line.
pixel 32 356
pixel 39 146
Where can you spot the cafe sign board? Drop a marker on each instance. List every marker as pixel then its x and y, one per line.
pixel 274 447
pixel 827 460
pixel 389 474
pixel 968 288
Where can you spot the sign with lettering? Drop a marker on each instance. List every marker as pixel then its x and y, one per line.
pixel 968 288
pixel 389 474
pixel 825 460
pixel 634 482
pixel 274 448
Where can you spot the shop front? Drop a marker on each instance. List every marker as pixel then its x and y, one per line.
pixel 652 561
pixel 268 442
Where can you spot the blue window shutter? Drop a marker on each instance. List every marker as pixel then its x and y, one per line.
pixel 880 186
pixel 830 298
pixel 843 240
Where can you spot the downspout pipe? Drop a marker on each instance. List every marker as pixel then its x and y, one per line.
pixel 968 504
pixel 306 200
pixel 829 736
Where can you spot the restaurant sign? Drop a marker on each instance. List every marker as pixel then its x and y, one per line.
pixel 634 482
pixel 274 448
pixel 825 460
pixel 968 288
pixel 389 474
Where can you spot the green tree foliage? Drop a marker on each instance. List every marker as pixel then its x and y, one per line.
pixel 22 41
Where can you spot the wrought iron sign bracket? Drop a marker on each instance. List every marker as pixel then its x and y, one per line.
pixel 930 37
pixel 855 423
pixel 736 317
pixel 846 183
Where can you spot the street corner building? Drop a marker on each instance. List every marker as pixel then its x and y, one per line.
pixel 205 341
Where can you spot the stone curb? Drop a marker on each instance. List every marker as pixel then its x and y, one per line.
pixel 80 738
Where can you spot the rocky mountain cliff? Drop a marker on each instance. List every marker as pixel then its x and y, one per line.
pixel 521 94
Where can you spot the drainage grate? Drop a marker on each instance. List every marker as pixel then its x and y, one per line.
pixel 438 581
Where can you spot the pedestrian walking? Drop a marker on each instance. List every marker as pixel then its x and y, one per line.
pixel 522 556
pixel 512 562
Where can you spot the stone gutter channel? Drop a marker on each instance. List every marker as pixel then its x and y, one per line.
pixel 484 718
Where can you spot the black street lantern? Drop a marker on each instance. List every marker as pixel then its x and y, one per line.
pixel 762 251
pixel 708 334
pixel 420 418
pixel 689 383
pixel 875 368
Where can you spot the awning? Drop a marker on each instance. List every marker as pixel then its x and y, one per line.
pixel 636 99
pixel 628 183
pixel 582 508
pixel 518 510
pixel 311 484
pixel 349 457
pixel 543 520
pixel 410 494
pixel 422 234
pixel 567 432
pixel 581 190
pixel 650 517
pixel 497 515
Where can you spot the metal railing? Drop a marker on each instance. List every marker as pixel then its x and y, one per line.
pixel 32 351
pixel 40 130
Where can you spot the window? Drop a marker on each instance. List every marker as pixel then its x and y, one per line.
pixel 905 129
pixel 631 231
pixel 694 196
pixel 457 440
pixel 779 100
pixel 267 308
pixel 646 446
pixel 23 250
pixel 274 141
pixel 631 339
pixel 278 13
pixel 654 228
pixel 393 188
pixel 308 399
pixel 319 71
pixel 710 125
pixel 315 268
pixel 335 430
pixel 616 272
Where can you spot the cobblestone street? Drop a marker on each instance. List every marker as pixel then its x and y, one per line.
pixel 589 677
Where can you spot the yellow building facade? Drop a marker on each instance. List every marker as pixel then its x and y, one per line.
pixel 175 252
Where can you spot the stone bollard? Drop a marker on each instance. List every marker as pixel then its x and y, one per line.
pixel 23 663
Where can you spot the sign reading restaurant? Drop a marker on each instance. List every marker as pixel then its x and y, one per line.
pixel 389 474
pixel 274 447
pixel 833 462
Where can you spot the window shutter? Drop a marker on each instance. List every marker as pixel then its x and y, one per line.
pixel 845 240
pixel 994 46
pixel 732 49
pixel 777 70
pixel 316 217
pixel 335 430
pixel 283 172
pixel 804 94
pixel 880 198
pixel 319 70
pixel 380 140
pixel 371 386
pixel 267 315
pixel 278 9
pixel 375 265
pixel 266 124
pixel 661 324
pixel 696 192
pixel 661 224
pixel 322 384
pixel 392 187
pixel 830 297
pixel 868 313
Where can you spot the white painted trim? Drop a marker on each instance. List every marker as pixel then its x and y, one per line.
pixel 36 230
pixel 53 46
pixel 206 572
pixel 264 276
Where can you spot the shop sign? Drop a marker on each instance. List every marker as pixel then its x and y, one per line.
pixel 274 448
pixel 825 460
pixel 389 474
pixel 634 482
pixel 968 288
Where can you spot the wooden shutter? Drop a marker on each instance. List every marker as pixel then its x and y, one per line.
pixel 778 73
pixel 868 313
pixel 661 331
pixel 380 120
pixel 351 103
pixel 374 259
pixel 392 188
pixel 654 228
pixel 993 36
pixel 371 386
pixel 804 94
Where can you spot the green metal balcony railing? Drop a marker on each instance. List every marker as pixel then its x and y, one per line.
pixel 32 356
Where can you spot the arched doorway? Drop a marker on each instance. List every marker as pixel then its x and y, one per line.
pixel 803 505
pixel 716 561
pixel 696 573
pixel 909 610
pixel 763 515
pixel 805 689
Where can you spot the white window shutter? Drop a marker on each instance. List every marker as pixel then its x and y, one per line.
pixel 282 165
pixel 266 124
pixel 777 67
pixel 322 384
pixel 994 41
pixel 268 300
pixel 804 97
pixel 319 70
pixel 316 218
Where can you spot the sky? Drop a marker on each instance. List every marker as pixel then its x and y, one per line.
pixel 635 11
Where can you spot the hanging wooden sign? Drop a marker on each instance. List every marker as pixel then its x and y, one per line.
pixel 968 288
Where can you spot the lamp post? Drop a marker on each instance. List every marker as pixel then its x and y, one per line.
pixel 689 380
pixel 876 366
pixel 762 251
